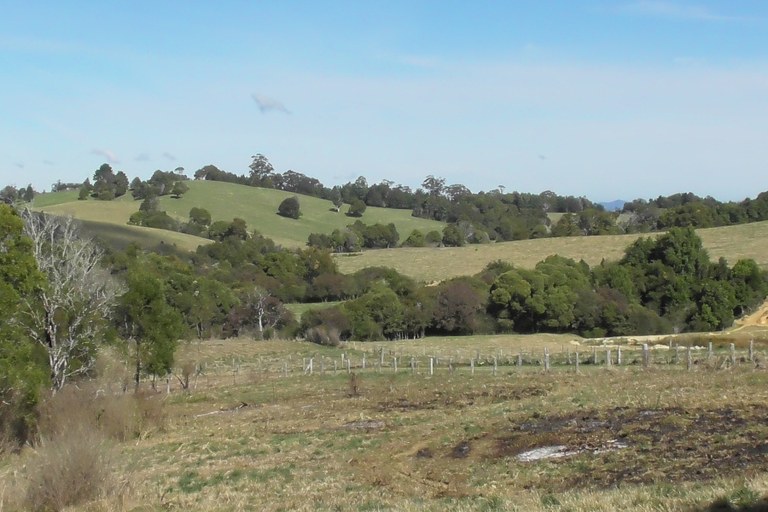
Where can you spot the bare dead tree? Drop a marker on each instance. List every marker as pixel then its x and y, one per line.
pixel 68 314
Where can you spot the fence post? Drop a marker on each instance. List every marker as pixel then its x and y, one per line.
pixel 472 366
pixel 677 354
pixel 608 358
pixel 594 355
pixel 495 365
pixel 431 366
pixel 349 369
pixel 285 369
pixel 546 359
pixel 689 359
pixel 733 353
pixel 751 351
pixel 709 350
pixel 413 365
pixel 577 361
pixel 618 356
pixel 646 356
pixel 519 359
pixel 568 360
pixel 363 361
pixel 394 363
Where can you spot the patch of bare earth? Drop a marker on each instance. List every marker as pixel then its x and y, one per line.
pixel 629 445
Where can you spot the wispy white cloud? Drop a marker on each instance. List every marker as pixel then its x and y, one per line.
pixel 168 156
pixel 109 155
pixel 267 104
pixel 676 10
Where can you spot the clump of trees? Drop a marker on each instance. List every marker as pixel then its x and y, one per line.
pixel 356 236
pixel 661 285
pixel 11 195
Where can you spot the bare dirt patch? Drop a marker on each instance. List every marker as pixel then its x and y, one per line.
pixel 664 445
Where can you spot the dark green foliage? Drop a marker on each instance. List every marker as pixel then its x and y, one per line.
pixel 290 208
pixel 453 236
pixel 146 318
pixel 659 286
pixel 200 216
pixel 179 189
pixel 23 365
pixel 376 236
pixel 356 208
pixel 415 239
pixel 107 184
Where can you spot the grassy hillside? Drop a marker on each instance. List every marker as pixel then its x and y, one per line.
pixel 256 206
pixel 53 198
pixel 434 264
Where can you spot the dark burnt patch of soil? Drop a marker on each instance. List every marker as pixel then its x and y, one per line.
pixel 659 445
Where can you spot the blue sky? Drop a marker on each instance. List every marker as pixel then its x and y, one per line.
pixel 603 98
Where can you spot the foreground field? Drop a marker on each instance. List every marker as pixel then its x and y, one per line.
pixel 436 264
pixel 250 436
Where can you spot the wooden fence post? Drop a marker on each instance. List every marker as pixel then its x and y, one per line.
pixel 608 358
pixel 546 359
pixel 431 366
pixel 689 359
pixel 413 365
pixel 472 366
pixel 495 365
pixel 519 359
pixel 394 363
pixel 733 354
pixel 751 351
pixel 646 356
pixel 577 361
pixel 709 350
pixel 618 356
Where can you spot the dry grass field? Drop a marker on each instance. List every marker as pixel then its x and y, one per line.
pixel 246 436
pixel 436 264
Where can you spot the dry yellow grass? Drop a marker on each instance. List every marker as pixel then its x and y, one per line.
pixel 436 264
pixel 411 442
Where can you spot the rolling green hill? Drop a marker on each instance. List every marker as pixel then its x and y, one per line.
pixel 257 206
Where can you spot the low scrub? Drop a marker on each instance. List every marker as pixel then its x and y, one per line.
pixel 72 467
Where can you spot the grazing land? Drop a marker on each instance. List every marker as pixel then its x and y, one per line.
pixel 436 264
pixel 248 435
pixel 225 201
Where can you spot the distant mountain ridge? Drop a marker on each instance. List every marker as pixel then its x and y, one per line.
pixel 613 206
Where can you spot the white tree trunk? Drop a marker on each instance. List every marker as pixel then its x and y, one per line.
pixel 68 316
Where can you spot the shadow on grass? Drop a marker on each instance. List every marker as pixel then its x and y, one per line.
pixel 724 505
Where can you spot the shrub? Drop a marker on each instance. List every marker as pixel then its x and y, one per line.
pixel 71 468
pixel 290 208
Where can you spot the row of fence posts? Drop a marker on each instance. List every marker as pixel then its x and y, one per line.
pixel 433 361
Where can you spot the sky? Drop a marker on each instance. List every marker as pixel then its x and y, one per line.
pixel 599 98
